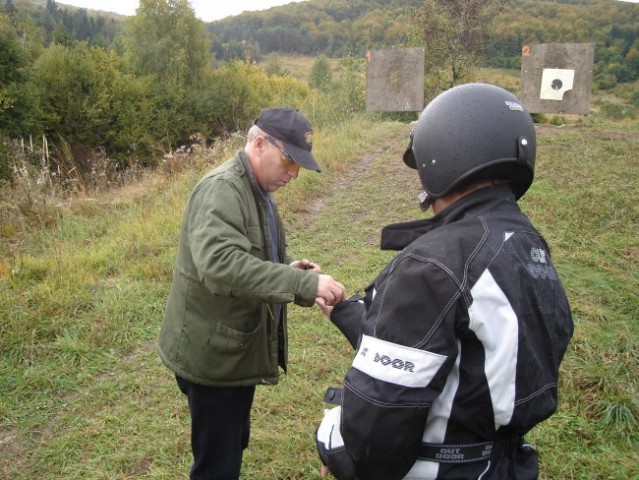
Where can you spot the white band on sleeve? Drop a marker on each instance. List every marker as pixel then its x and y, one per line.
pixel 397 364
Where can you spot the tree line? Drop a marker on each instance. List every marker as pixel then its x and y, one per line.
pixel 334 28
pixel 51 23
pixel 337 28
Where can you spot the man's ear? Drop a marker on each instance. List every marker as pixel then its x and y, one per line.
pixel 257 146
pixel 260 142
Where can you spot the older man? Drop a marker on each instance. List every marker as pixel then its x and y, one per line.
pixel 224 329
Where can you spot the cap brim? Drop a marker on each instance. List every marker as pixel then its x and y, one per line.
pixel 409 156
pixel 302 157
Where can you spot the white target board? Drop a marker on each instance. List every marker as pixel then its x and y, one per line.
pixel 395 80
pixel 555 82
pixel 557 78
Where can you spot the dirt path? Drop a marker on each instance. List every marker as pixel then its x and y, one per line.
pixel 383 159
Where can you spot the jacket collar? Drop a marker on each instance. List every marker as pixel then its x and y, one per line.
pixel 397 236
pixel 243 161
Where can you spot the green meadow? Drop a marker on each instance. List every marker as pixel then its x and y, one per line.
pixel 83 282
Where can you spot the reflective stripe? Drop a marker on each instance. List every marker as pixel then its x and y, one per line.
pixel 437 423
pixel 495 323
pixel 397 364
pixel 328 432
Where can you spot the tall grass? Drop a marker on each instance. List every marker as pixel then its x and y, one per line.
pixel 83 394
pixel 81 299
pixel 585 201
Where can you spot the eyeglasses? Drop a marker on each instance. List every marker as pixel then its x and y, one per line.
pixel 289 163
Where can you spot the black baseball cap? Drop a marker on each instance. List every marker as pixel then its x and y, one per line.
pixel 292 128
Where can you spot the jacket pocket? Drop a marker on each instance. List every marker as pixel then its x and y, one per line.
pixel 227 338
pixel 221 353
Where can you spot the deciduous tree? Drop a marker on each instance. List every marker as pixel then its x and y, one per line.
pixel 453 33
pixel 166 40
pixel 18 105
pixel 320 75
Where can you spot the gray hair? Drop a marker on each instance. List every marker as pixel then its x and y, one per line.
pixel 253 133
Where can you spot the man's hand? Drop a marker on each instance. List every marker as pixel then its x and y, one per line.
pixel 305 264
pixel 326 310
pixel 324 472
pixel 330 291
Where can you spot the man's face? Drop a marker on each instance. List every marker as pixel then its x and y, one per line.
pixel 277 168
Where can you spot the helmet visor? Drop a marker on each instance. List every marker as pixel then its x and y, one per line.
pixel 409 155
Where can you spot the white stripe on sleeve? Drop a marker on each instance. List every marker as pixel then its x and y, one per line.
pixel 397 364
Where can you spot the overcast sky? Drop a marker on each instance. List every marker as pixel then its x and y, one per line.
pixel 207 10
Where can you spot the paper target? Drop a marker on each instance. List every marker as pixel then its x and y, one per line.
pixel 555 82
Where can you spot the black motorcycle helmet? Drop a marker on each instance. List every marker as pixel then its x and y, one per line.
pixel 473 132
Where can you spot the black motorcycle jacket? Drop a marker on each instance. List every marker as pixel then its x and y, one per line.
pixel 458 345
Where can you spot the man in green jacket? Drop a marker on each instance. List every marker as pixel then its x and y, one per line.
pixel 224 329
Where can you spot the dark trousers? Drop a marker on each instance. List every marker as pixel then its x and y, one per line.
pixel 220 428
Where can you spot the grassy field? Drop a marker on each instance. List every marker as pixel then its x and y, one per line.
pixel 298 66
pixel 83 283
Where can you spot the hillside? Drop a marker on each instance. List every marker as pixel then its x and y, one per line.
pixel 338 28
pixel 36 5
pixel 79 24
pixel 341 27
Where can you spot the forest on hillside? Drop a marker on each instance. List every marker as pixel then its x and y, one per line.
pixel 335 28
pixel 49 23
pixel 338 28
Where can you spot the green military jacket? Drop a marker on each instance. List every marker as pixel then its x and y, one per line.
pixel 219 326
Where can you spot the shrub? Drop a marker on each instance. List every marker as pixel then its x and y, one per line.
pixel 616 111
pixel 539 118
pixel 5 159
pixel 320 75
pixel 234 94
